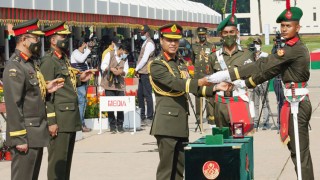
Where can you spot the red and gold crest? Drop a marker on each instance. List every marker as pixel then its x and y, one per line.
pixel 211 169
pixel 280 52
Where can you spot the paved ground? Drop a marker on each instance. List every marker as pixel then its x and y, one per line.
pixel 134 157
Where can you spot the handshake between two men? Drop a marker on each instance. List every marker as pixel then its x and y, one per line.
pixel 222 81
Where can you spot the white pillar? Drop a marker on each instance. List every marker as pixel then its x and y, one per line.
pixel 42 43
pixel 6 44
pixel 70 42
pixel 266 34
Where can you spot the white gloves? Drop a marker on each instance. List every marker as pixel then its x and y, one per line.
pixel 239 83
pixel 221 76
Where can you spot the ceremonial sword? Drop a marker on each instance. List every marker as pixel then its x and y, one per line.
pixel 294 111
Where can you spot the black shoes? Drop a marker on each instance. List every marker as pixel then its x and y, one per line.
pixel 146 122
pixel 120 129
pixel 113 130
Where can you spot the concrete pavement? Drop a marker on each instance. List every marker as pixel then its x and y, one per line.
pixel 126 156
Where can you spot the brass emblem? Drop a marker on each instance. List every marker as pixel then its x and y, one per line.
pixel 65 26
pixel 211 169
pixel 12 70
pixel 280 52
pixel 174 28
pixel 63 44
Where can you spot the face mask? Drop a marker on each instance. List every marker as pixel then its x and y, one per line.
pixel 202 39
pixel 229 40
pixel 258 47
pixel 63 44
pixel 124 56
pixel 35 48
pixel 143 37
pixel 115 47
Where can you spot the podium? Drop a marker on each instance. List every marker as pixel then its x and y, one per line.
pixel 232 160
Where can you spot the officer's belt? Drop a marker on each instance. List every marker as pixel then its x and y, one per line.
pixel 298 92
pixel 236 92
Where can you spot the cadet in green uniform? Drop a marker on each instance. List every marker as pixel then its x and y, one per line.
pixel 62 108
pixel 169 79
pixel 229 56
pixel 25 92
pixel 202 50
pixel 292 62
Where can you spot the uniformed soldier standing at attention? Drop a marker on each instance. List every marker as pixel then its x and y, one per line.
pixel 292 61
pixel 229 56
pixel 62 107
pixel 202 49
pixel 25 92
pixel 171 83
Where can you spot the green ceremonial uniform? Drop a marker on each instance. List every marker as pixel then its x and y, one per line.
pixel 171 84
pixel 238 58
pixel 292 62
pixel 62 109
pixel 171 113
pixel 203 68
pixel 26 113
pixel 24 94
pixel 293 67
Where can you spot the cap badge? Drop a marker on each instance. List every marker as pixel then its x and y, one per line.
pixel 174 28
pixel 288 14
pixel 65 26
pixel 232 19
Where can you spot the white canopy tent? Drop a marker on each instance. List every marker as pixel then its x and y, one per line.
pixel 170 10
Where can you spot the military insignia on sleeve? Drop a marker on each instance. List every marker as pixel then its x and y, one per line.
pixel 12 72
pixel 211 169
pixel 280 52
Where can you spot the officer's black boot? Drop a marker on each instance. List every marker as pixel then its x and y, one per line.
pixel 120 129
pixel 113 129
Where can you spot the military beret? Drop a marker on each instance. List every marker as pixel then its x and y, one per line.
pixel 294 14
pixel 202 30
pixel 145 28
pixel 30 27
pixel 228 21
pixel 172 31
pixel 58 28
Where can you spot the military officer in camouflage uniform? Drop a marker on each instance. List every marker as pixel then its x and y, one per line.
pixel 171 83
pixel 25 92
pixel 202 50
pixel 62 108
pixel 229 56
pixel 292 61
